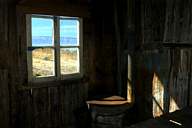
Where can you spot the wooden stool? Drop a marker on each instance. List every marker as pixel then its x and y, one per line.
pixel 108 112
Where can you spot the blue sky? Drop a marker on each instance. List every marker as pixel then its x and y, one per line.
pixel 42 31
pixel 44 27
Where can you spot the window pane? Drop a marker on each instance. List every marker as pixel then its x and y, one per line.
pixel 69 32
pixel 43 62
pixel 42 31
pixel 69 60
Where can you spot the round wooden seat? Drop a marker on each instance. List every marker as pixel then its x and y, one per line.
pixel 112 105
pixel 108 111
pixel 109 101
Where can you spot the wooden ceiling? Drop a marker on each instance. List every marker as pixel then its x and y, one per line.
pixel 51 1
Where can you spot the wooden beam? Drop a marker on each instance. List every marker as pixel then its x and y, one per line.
pixel 55 9
pixel 22 1
pixel 178 45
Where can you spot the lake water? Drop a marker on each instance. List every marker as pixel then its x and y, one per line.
pixel 47 41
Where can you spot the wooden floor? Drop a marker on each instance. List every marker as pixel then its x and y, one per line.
pixel 178 119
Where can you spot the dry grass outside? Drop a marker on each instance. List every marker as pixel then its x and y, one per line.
pixel 44 64
pixel 69 61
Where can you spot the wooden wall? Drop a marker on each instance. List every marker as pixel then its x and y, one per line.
pixel 8 59
pixel 104 50
pixel 53 104
pixel 148 36
pixel 52 107
pixel 164 51
pixel 4 96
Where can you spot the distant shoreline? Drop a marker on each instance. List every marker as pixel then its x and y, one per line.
pixel 47 41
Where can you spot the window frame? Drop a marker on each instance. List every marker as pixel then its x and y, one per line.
pixel 56 46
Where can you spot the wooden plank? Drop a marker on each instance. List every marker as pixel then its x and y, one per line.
pixel 25 109
pixel 190 82
pixel 178 21
pixel 40 105
pixel 53 107
pixel 4 99
pixel 153 17
pixel 178 45
pixel 53 8
pixel 179 80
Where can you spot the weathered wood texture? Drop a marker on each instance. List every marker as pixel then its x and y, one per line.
pixel 164 21
pixel 152 75
pixel 4 96
pixel 180 79
pixel 178 119
pixel 57 7
pixel 9 54
pixel 3 32
pixel 51 107
pixel 153 21
pixel 53 104
pixel 178 21
pixel 125 41
pixel 104 50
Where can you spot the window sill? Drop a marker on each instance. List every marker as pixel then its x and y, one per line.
pixel 53 83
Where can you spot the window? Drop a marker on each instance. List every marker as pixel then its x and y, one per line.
pixel 54 47
pixel 130 96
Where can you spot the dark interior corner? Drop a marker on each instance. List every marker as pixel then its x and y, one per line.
pixel 95 63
